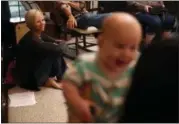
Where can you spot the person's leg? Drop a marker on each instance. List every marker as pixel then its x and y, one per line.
pixel 58 69
pixel 41 73
pixel 44 75
pixel 152 23
pixel 168 25
pixel 90 19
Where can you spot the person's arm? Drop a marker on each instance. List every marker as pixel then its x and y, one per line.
pixel 136 4
pixel 65 8
pixel 72 82
pixel 74 5
pixel 77 5
pixel 80 106
pixel 162 4
pixel 47 38
pixel 71 22
pixel 140 6
pixel 47 48
pixel 71 93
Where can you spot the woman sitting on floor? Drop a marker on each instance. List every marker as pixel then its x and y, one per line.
pixel 39 60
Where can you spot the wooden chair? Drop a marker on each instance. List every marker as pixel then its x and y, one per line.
pixel 77 33
pixel 57 17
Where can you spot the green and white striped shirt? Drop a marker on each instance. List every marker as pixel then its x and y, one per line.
pixel 108 95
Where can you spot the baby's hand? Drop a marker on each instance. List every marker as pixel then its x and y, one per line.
pixel 83 111
pixel 79 105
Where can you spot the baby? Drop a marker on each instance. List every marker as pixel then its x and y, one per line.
pixel 96 84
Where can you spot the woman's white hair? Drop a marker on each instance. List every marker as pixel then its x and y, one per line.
pixel 30 17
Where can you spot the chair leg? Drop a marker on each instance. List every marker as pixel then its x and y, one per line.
pixel 76 45
pixel 66 36
pixel 84 41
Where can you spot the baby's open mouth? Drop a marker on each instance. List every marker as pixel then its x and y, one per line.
pixel 120 62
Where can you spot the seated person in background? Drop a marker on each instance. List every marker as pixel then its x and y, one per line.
pixel 78 16
pixel 39 60
pixel 153 94
pixel 104 74
pixel 153 23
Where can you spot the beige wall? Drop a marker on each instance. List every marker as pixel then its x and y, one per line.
pixel 21 30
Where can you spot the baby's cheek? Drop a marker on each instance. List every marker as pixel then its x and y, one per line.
pixel 134 55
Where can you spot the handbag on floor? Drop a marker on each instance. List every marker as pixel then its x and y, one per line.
pixel 9 74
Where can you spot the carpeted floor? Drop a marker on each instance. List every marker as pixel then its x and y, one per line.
pixel 50 107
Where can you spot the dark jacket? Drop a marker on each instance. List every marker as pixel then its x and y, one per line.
pixel 153 95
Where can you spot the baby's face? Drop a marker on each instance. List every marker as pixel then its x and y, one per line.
pixel 117 52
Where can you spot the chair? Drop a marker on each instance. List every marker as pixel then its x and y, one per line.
pixel 173 9
pixel 77 32
pixel 60 22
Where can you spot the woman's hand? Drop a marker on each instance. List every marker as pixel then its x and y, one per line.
pixel 147 8
pixel 71 22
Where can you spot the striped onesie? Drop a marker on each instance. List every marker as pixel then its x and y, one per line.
pixel 107 94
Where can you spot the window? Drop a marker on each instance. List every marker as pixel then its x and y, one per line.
pixel 16 9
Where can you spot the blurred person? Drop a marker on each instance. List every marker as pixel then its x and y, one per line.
pixel 153 23
pixel 77 16
pixel 153 94
pixel 96 84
